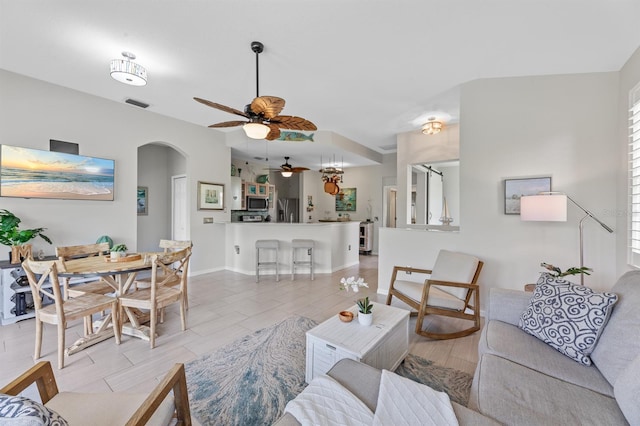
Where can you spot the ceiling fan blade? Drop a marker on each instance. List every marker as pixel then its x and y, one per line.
pixel 221 107
pixel 293 123
pixel 274 133
pixel 268 106
pixel 228 124
pixel 298 169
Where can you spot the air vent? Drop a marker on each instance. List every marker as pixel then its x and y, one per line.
pixel 136 103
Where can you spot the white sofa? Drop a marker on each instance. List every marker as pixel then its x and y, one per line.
pixel 520 380
pixel 364 381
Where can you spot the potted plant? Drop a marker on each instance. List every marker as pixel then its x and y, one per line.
pixel 118 251
pixel 557 272
pixel 365 316
pixel 16 238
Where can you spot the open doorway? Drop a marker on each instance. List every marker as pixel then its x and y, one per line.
pixel 389 200
pixel 167 206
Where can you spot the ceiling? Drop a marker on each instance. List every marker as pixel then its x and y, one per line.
pixel 364 69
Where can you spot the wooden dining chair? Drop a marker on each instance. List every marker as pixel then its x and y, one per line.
pixel 168 246
pixel 451 290
pixel 65 253
pixel 166 268
pixel 61 312
pixel 167 404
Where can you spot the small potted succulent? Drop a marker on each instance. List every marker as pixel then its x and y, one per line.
pixel 118 251
pixel 16 238
pixel 365 316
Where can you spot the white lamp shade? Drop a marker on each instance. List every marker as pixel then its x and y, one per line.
pixel 128 72
pixel 286 174
pixel 256 130
pixel 544 208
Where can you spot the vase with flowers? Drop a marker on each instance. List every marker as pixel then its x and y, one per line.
pixel 365 316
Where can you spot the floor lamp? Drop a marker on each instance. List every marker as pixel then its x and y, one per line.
pixel 552 207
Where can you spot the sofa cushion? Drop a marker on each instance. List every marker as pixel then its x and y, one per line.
pixel 21 411
pixel 568 317
pixel 513 394
pixel 508 341
pixel 619 343
pixel 627 391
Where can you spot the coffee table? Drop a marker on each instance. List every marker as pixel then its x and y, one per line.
pixel 383 345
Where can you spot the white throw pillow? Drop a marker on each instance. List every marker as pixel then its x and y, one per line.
pixel 566 316
pixel 21 411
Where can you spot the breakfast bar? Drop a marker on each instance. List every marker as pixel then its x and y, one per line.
pixel 336 244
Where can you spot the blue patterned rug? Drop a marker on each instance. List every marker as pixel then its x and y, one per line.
pixel 250 381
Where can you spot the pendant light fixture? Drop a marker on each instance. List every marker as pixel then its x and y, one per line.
pixel 128 72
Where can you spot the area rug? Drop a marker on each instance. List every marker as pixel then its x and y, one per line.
pixel 250 381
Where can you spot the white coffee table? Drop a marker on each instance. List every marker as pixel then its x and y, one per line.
pixel 383 345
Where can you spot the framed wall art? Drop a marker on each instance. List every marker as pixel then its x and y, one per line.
pixel 142 201
pixel 33 173
pixel 346 200
pixel 516 188
pixel 210 196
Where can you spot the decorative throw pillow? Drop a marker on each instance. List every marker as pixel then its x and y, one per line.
pixel 27 412
pixel 566 316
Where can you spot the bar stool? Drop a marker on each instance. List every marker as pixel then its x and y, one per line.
pixel 301 244
pixel 266 245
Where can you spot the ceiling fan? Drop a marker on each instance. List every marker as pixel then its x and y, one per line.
pixel 287 169
pixel 262 113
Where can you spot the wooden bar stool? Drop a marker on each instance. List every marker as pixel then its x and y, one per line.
pixel 266 245
pixel 308 245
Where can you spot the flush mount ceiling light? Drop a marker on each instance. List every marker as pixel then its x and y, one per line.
pixel 128 72
pixel 432 126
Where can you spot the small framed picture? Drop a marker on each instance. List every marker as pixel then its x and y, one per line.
pixel 210 196
pixel 142 201
pixel 516 188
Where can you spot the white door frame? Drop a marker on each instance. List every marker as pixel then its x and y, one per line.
pixel 174 179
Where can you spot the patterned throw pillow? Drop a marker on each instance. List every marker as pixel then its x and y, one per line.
pixel 566 316
pixel 28 412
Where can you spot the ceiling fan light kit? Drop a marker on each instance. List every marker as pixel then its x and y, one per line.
pixel 264 121
pixel 256 130
pixel 128 72
pixel 432 126
pixel 287 170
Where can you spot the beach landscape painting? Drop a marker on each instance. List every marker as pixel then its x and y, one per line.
pixel 33 173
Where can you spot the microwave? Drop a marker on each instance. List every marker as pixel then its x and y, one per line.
pixel 257 204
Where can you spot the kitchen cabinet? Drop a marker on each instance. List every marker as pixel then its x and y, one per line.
pixel 237 194
pixel 263 189
pixel 250 189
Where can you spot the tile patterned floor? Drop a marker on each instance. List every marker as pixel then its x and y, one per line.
pixel 224 306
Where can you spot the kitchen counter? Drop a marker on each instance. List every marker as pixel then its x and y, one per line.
pixel 336 244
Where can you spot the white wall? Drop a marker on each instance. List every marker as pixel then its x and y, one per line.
pixel 32 112
pixel 561 126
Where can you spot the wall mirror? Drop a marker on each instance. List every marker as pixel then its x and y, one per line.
pixel 435 193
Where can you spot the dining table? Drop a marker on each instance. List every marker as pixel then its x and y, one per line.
pixel 120 274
